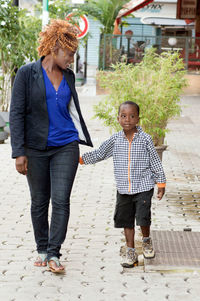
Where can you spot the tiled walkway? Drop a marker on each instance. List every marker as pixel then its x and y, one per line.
pixel 91 251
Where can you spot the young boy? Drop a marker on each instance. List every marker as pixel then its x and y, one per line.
pixel 137 168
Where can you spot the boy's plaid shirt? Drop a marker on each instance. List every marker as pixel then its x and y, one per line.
pixel 137 166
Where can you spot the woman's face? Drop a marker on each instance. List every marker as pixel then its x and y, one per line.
pixel 64 58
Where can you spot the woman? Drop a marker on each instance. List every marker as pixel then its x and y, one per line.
pixel 46 127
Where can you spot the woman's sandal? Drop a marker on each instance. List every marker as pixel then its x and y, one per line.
pixel 55 266
pixel 41 260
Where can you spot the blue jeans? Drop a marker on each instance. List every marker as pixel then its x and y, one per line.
pixel 51 174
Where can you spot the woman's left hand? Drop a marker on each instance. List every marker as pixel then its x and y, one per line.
pixel 21 164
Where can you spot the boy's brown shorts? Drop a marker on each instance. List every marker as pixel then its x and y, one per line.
pixel 131 207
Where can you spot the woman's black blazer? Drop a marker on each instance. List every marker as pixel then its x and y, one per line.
pixel 29 122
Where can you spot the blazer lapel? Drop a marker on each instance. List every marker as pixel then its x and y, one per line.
pixel 38 76
pixel 70 81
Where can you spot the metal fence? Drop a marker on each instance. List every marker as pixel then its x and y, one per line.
pixel 115 48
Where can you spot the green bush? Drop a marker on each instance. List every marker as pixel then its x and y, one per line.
pixel 18 43
pixel 155 85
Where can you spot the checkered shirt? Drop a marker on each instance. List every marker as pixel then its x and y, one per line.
pixel 137 166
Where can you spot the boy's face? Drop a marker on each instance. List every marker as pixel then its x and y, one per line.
pixel 128 117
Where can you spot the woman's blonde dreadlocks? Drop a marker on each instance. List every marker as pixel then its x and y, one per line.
pixel 59 33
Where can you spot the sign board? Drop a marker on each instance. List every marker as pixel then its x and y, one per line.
pixel 81 22
pixel 186 9
pixel 130 7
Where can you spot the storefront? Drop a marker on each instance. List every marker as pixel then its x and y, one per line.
pixel 161 14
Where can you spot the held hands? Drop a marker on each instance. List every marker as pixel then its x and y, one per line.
pixel 21 164
pixel 160 192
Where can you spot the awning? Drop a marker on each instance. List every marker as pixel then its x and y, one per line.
pixel 127 9
pixel 130 7
pixel 158 21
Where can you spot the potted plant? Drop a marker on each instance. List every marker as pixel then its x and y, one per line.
pixel 155 84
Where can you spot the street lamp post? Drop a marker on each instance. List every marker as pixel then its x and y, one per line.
pixel 45 13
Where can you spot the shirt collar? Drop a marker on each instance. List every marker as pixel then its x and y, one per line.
pixel 139 131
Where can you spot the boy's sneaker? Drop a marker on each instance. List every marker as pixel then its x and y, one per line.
pixel 130 260
pixel 147 249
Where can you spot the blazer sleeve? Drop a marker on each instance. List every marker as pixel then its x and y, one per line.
pixel 17 114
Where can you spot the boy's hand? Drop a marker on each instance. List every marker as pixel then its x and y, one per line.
pixel 160 193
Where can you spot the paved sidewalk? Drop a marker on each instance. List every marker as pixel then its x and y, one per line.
pixel 91 251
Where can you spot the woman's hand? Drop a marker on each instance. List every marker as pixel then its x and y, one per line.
pixel 21 164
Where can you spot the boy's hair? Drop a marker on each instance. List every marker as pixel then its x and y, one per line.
pixel 129 102
pixel 59 33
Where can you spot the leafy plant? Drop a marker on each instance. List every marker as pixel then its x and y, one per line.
pixel 18 43
pixel 59 9
pixel 105 11
pixel 155 85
